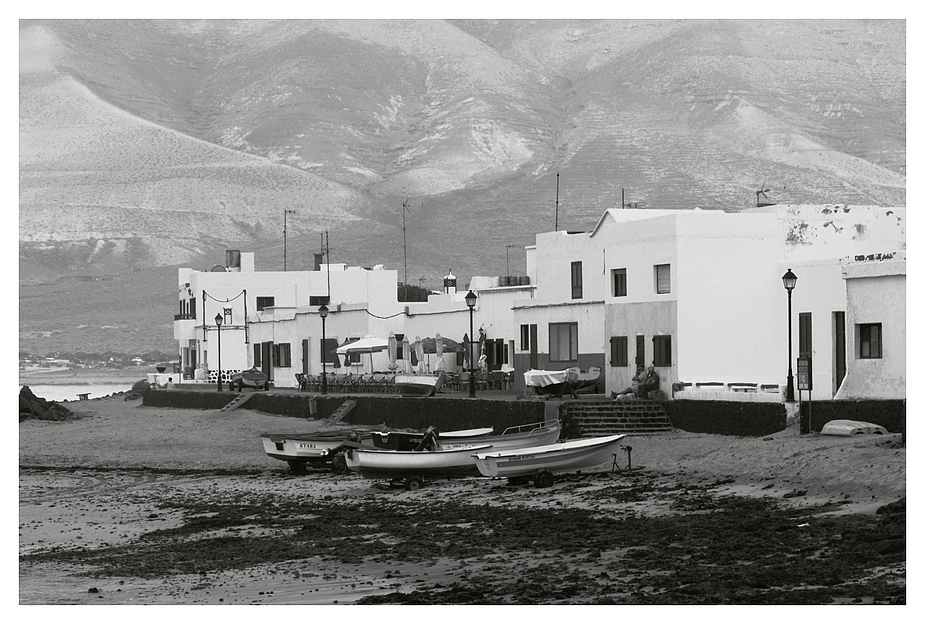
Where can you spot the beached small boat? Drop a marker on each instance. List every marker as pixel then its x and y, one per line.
pixel 413 466
pixel 409 440
pixel 540 462
pixel 323 447
pixel 535 434
pixel 410 384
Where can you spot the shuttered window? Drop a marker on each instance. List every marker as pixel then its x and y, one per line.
pixel 576 280
pixel 870 340
pixel 563 342
pixel 257 360
pixel 661 350
pixel 328 350
pixel 282 355
pixel 806 334
pixel 640 350
pixel 662 279
pixel 619 282
pixel 619 351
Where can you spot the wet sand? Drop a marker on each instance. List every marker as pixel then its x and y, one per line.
pixel 170 506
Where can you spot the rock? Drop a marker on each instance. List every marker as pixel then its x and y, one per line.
pixel 31 406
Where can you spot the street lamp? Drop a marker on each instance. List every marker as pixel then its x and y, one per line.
pixel 790 282
pixel 218 324
pixel 323 313
pixel 470 301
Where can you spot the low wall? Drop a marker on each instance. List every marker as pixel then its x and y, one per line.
pixel 444 413
pixel 888 413
pixel 727 417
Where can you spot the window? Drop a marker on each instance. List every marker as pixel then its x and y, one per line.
pixel 257 361
pixel 576 280
pixel 282 355
pixel 328 350
pixel 619 351
pixel 265 302
pixel 806 334
pixel 870 341
pixel 619 282
pixel 640 350
pixel 524 337
pixel 318 300
pixel 563 342
pixel 662 279
pixel 661 350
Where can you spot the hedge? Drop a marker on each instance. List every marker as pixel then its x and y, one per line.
pixel 415 413
pixel 888 413
pixel 737 418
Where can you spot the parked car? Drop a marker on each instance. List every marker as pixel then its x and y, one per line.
pixel 250 378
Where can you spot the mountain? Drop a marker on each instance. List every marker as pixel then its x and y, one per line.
pixel 147 144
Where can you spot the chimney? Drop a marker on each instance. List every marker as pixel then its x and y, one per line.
pixel 449 283
pixel 233 260
pixel 319 258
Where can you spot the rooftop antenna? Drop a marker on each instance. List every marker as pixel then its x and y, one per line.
pixel 557 201
pixel 761 198
pixel 285 212
pixel 327 254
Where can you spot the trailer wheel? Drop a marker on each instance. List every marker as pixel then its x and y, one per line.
pixel 543 479
pixel 339 465
pixel 296 467
pixel 414 483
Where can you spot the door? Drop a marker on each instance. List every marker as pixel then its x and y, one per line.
pixel 841 365
pixel 641 351
pixel 266 359
pixel 305 356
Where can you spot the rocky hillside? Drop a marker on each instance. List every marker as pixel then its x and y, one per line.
pixel 151 143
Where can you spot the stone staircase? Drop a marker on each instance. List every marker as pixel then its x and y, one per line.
pixel 237 402
pixel 600 417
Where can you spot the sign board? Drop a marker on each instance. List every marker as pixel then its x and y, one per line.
pixel 804 373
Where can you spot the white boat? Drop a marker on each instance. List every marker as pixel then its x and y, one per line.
pixel 413 466
pixel 411 384
pixel 536 434
pixel 552 383
pixel 541 462
pixel 851 428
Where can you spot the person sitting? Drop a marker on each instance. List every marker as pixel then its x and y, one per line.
pixel 650 385
pixel 635 388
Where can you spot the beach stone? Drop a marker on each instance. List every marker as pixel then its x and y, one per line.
pixel 31 406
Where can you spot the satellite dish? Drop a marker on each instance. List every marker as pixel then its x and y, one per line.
pixel 218 269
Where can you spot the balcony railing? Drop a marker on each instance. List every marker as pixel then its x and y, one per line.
pixel 184 317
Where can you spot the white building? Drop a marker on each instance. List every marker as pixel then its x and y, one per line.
pixel 696 293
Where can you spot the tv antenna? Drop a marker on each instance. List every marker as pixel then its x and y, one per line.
pixel 761 198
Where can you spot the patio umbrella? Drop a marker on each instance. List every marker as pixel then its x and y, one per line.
pixel 406 355
pixel 438 343
pixel 419 351
pixel 467 351
pixel 367 344
pixel 393 351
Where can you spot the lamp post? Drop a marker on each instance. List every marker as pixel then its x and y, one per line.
pixel 218 324
pixel 790 282
pixel 470 301
pixel 323 313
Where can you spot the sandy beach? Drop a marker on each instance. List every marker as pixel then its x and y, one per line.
pixel 108 499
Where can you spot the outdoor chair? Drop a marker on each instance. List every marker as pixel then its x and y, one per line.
pixel 497 380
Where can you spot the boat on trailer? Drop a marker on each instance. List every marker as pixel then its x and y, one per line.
pixel 541 462
pixel 300 450
pixel 418 384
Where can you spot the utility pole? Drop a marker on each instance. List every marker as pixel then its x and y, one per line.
pixel 622 198
pixel 327 255
pixel 285 212
pixel 557 202
pixel 404 241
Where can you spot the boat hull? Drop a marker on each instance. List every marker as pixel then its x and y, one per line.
pixel 374 463
pixel 570 456
pixel 418 385
pixel 307 447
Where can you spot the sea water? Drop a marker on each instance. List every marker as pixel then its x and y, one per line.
pixel 69 392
